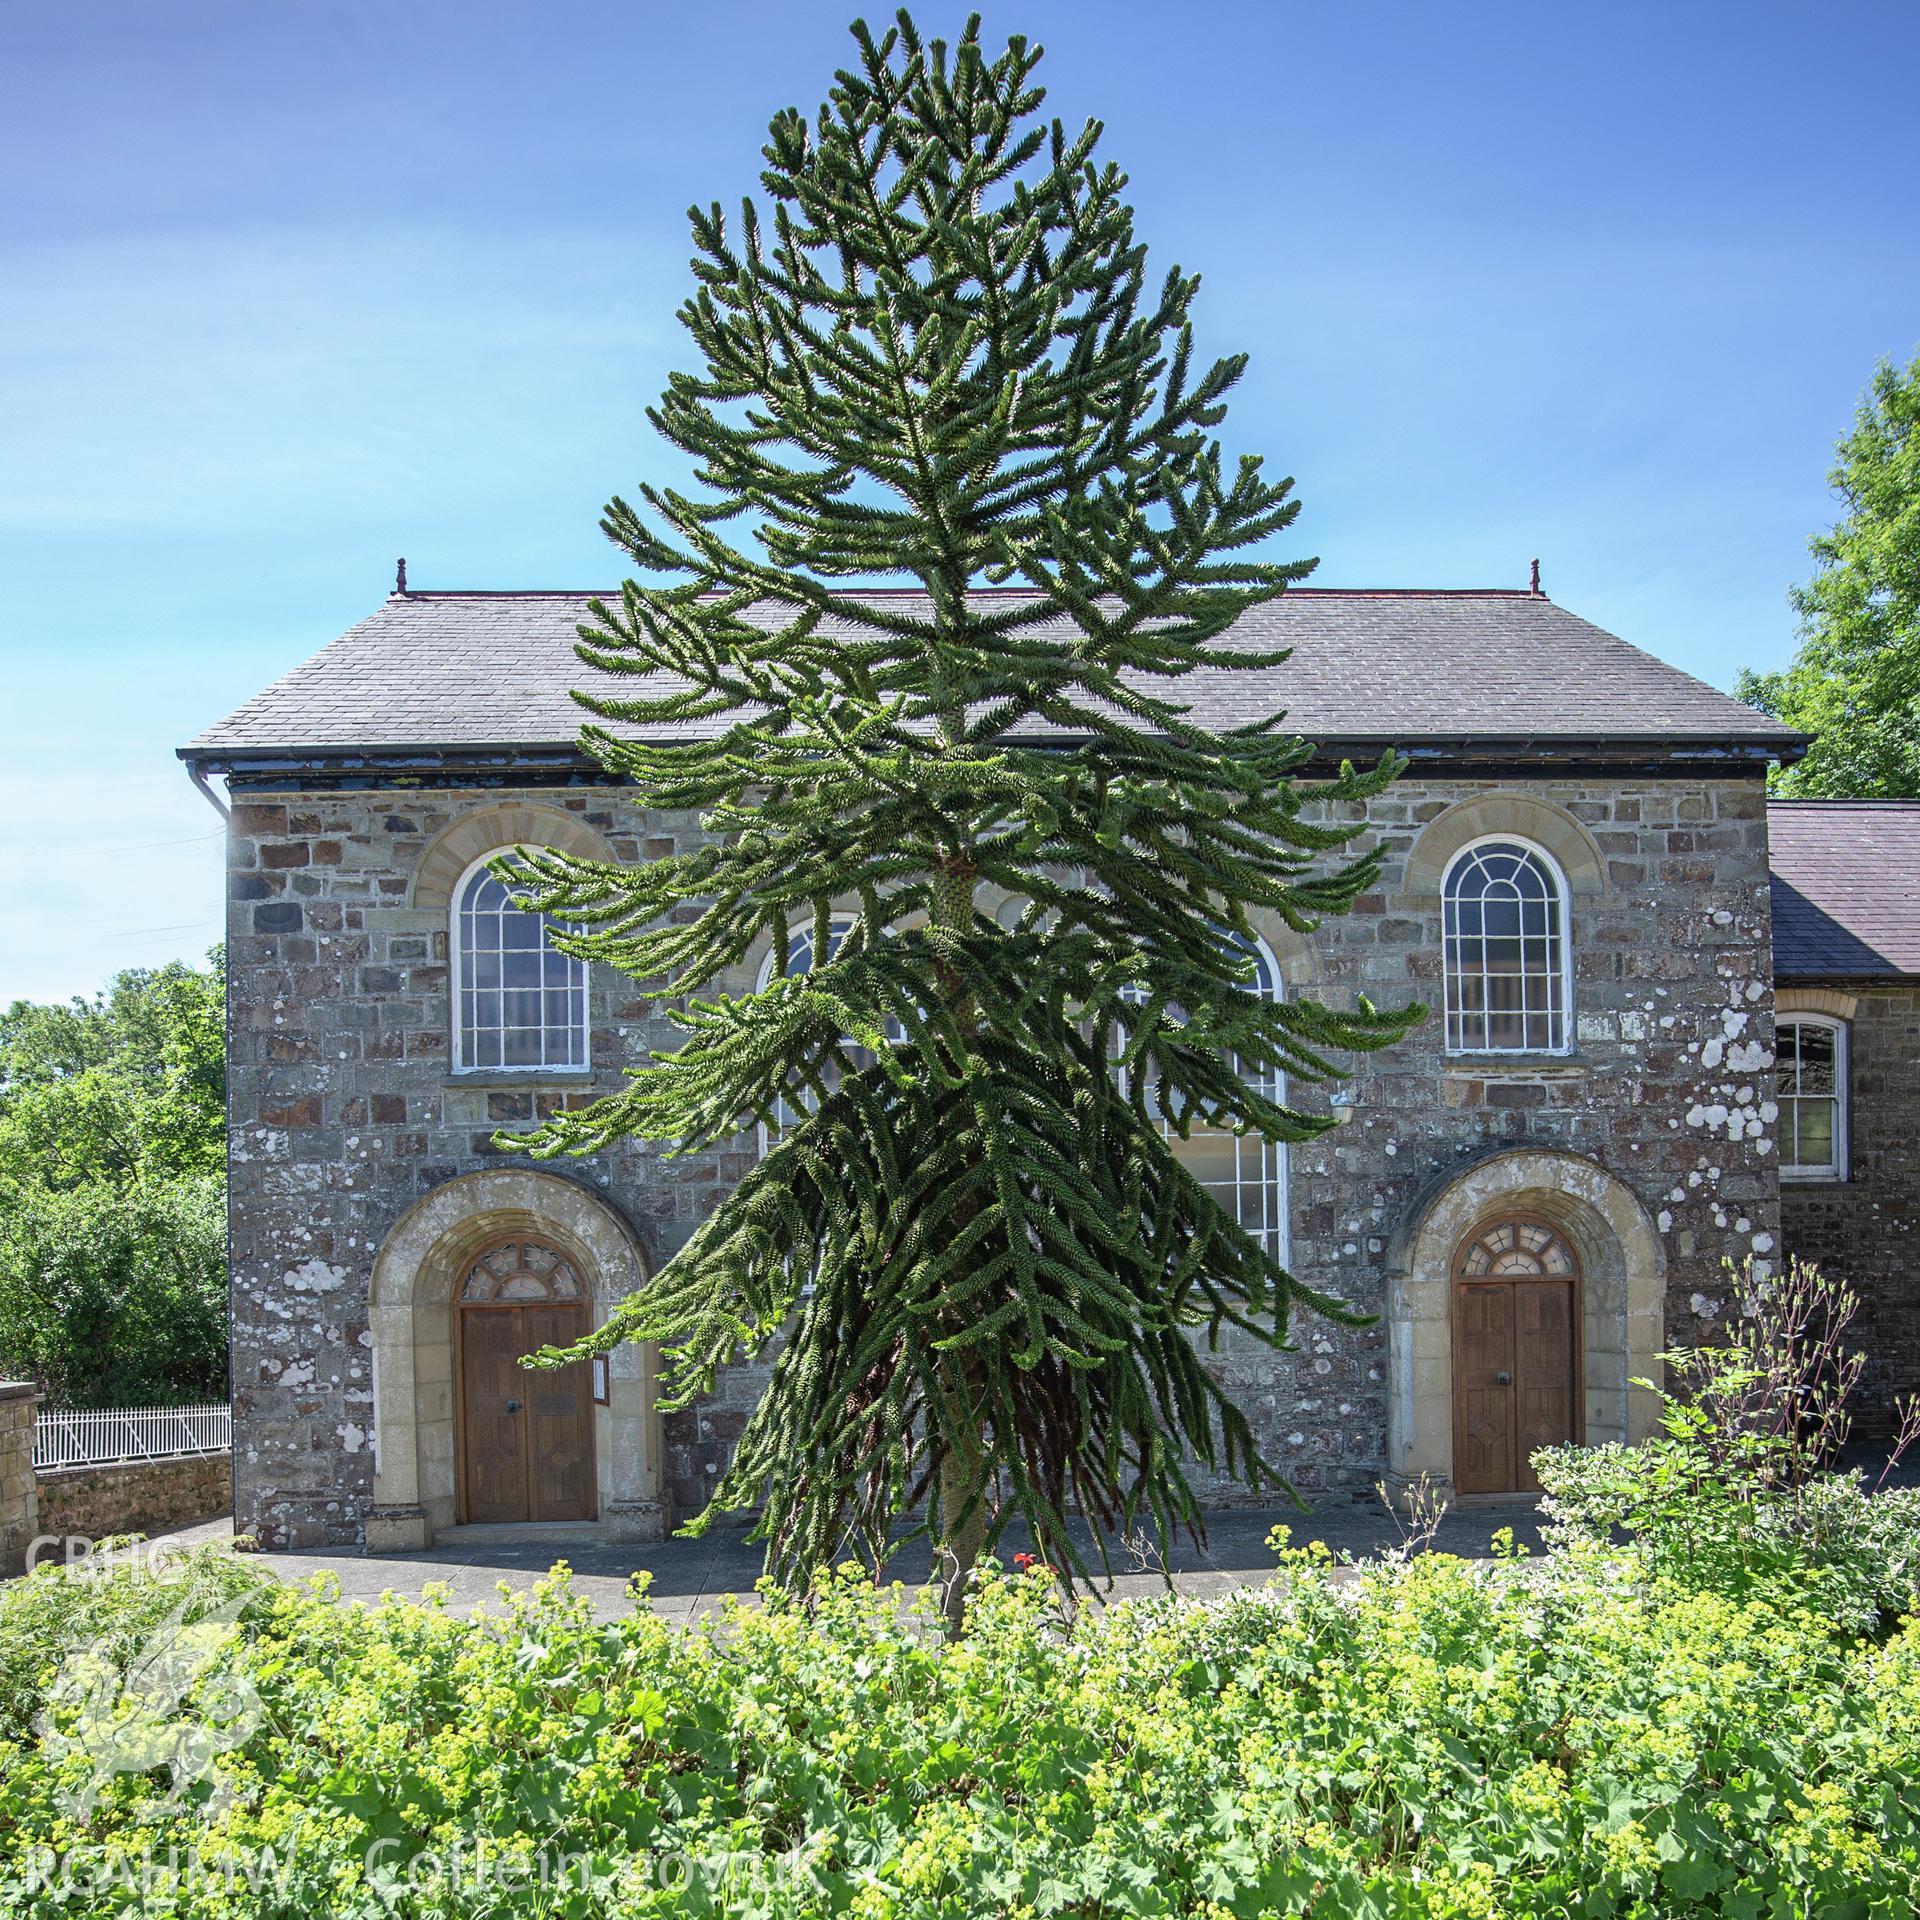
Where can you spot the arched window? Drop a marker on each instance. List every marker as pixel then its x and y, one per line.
pixel 518 1002
pixel 1245 1173
pixel 1505 954
pixel 1810 1082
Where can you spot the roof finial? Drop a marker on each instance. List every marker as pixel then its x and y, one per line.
pixel 400 576
pixel 1533 585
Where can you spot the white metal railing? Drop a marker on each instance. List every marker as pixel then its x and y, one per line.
pixel 112 1436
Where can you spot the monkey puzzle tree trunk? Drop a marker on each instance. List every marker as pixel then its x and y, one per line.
pixel 966 939
pixel 965 1538
pixel 961 1481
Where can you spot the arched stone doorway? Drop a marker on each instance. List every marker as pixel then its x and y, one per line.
pixel 430 1259
pixel 1516 1363
pixel 1617 1328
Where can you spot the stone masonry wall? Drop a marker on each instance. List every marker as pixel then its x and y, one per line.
pixel 138 1496
pixel 1866 1229
pixel 19 1506
pixel 344 1111
pixel 1667 1087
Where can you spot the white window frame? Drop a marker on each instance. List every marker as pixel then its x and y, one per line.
pixel 1563 932
pixel 1276 1236
pixel 456 971
pixel 1835 1171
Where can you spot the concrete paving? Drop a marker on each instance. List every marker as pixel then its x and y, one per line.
pixel 690 1577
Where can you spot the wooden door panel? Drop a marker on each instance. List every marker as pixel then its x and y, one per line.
pixel 526 1437
pixel 561 1432
pixel 495 1437
pixel 1543 1372
pixel 1483 1424
pixel 1516 1351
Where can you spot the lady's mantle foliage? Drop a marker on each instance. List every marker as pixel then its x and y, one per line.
pixel 1435 1741
pixel 940 357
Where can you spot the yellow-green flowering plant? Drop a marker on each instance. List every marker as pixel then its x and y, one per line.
pixel 1420 1737
pixel 1744 1491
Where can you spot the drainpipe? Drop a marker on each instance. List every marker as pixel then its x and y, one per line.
pixel 213 800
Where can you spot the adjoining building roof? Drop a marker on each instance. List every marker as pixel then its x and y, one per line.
pixel 462 673
pixel 1846 888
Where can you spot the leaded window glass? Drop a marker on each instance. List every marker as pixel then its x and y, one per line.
pixel 1516 1250
pixel 517 1001
pixel 518 1270
pixel 1504 951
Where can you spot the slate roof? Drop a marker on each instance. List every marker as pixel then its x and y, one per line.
pixel 1846 888
pixel 446 671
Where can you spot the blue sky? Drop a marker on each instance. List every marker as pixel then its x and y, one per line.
pixel 291 289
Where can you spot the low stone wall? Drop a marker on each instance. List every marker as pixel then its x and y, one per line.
pixel 143 1496
pixel 19 1520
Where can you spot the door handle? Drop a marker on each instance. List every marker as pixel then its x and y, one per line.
pixel 513 1406
pixel 1499 1380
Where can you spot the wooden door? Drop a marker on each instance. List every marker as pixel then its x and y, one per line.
pixel 496 1435
pixel 1482 1368
pixel 1515 1353
pixel 526 1438
pixel 560 1424
pixel 1543 1346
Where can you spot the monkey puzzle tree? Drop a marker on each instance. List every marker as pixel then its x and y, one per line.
pixel 941 359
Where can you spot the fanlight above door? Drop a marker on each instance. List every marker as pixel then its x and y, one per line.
pixel 1517 1250
pixel 521 1270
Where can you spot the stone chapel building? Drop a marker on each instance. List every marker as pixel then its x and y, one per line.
pixel 1535 1192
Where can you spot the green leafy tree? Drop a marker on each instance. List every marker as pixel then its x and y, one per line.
pixel 1855 682
pixel 115 1295
pixel 112 1190
pixel 131 1084
pixel 969 1244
